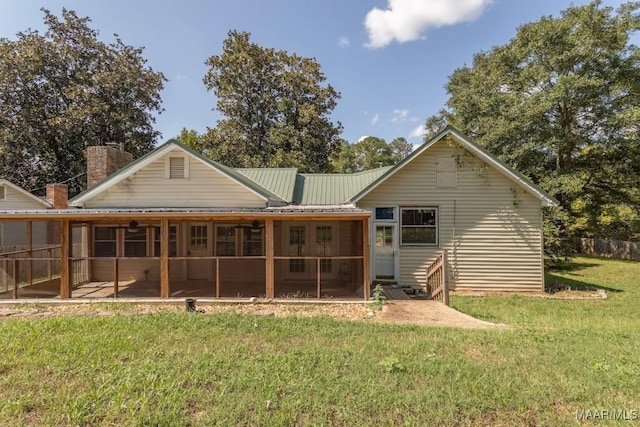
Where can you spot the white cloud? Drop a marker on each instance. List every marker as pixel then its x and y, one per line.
pixel 399 115
pixel 418 132
pixel 407 20
pixel 375 119
pixel 344 42
pixel 363 137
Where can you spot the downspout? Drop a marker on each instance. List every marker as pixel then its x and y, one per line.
pixel 454 255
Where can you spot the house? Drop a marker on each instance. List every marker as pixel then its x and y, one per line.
pixel 173 223
pixel 14 197
pixel 20 239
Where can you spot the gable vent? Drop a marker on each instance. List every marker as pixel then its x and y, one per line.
pixel 176 167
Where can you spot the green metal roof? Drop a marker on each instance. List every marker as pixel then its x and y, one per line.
pixel 280 181
pixel 333 189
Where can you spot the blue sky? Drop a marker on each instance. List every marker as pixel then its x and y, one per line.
pixel 390 59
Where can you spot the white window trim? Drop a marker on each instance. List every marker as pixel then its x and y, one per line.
pixel 395 214
pixel 167 166
pixel 437 226
pixel 3 194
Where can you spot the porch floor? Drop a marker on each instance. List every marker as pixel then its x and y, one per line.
pixel 182 289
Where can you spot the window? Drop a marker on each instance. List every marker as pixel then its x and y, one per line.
pixel 104 242
pixel 3 192
pixel 173 241
pixel 297 241
pixel 384 213
pixel 324 239
pixel 177 167
pixel 225 240
pixel 135 243
pixel 1 236
pixel 419 226
pixel 252 242
pixel 199 238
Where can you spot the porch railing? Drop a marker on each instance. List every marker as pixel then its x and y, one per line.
pixel 22 266
pixel 437 281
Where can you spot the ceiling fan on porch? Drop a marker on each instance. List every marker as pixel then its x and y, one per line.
pixel 133 226
pixel 255 225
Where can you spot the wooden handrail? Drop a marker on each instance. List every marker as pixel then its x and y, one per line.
pixel 437 283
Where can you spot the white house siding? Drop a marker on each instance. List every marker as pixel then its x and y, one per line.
pixel 493 235
pixel 205 187
pixel 15 233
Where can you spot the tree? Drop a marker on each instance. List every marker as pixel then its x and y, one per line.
pixel 275 106
pixel 343 158
pixel 64 90
pixel 369 153
pixel 189 138
pixel 561 103
pixel 400 148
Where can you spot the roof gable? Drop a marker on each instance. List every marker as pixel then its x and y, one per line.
pixel 157 154
pixel 467 143
pixel 24 193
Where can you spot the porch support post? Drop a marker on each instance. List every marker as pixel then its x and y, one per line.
pixel 164 258
pixel 65 252
pixel 116 274
pixel 366 261
pixel 270 267
pixel 29 252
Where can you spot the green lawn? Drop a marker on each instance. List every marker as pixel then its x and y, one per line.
pixel 187 369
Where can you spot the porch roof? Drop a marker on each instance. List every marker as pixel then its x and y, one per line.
pixel 286 212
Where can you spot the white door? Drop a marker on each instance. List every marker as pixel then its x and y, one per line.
pixel 199 245
pixel 385 263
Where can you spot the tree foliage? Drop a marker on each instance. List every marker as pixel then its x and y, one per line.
pixel 369 153
pixel 275 105
pixel 189 138
pixel 561 103
pixel 64 90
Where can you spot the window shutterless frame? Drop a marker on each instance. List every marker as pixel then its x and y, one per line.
pixel 419 226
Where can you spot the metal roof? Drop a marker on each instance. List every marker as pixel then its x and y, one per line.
pixel 179 213
pixel 333 189
pixel 280 181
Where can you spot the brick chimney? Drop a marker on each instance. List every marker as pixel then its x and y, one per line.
pixel 58 195
pixel 102 161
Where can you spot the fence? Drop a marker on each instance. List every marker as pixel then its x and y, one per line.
pixel 607 248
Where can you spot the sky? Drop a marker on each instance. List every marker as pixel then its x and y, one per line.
pixel 389 59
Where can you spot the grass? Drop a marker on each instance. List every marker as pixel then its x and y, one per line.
pixel 187 369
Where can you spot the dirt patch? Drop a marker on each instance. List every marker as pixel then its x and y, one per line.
pixel 427 313
pixel 556 293
pixel 430 313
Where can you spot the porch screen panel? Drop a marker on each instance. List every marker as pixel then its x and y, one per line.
pixel 252 242
pixel 104 242
pixel 135 243
pixel 324 241
pixel 297 241
pixel 225 240
pixel 173 241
